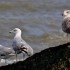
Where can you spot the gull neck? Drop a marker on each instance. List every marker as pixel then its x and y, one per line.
pixel 17 35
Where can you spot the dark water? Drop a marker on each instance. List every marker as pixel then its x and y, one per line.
pixel 39 20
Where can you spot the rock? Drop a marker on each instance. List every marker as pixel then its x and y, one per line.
pixel 54 58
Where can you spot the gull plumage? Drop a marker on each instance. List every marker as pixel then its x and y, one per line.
pixel 66 22
pixel 19 45
pixel 6 52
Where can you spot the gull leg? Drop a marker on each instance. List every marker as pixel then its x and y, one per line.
pixel 23 56
pixel 67 35
pixel 5 61
pixel 16 56
pixel 0 60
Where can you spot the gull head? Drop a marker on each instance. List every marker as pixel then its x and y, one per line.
pixel 66 13
pixel 16 31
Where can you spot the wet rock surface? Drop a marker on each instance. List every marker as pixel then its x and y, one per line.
pixel 54 58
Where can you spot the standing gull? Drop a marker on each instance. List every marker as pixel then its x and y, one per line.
pixel 19 45
pixel 66 22
pixel 6 52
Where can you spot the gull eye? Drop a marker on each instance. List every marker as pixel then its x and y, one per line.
pixel 67 12
pixel 15 30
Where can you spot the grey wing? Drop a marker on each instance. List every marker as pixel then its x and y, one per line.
pixel 6 50
pixel 14 44
pixel 22 45
pixel 66 25
pixel 28 50
pixel 19 45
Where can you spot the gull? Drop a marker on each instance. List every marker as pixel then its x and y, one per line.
pixel 66 22
pixel 19 45
pixel 6 52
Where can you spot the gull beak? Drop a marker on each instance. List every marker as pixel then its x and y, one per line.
pixel 10 31
pixel 62 14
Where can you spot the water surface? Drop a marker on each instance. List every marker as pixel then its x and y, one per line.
pixel 39 20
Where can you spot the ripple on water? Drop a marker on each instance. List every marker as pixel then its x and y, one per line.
pixel 40 21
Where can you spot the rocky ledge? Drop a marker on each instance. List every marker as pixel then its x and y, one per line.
pixel 54 58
